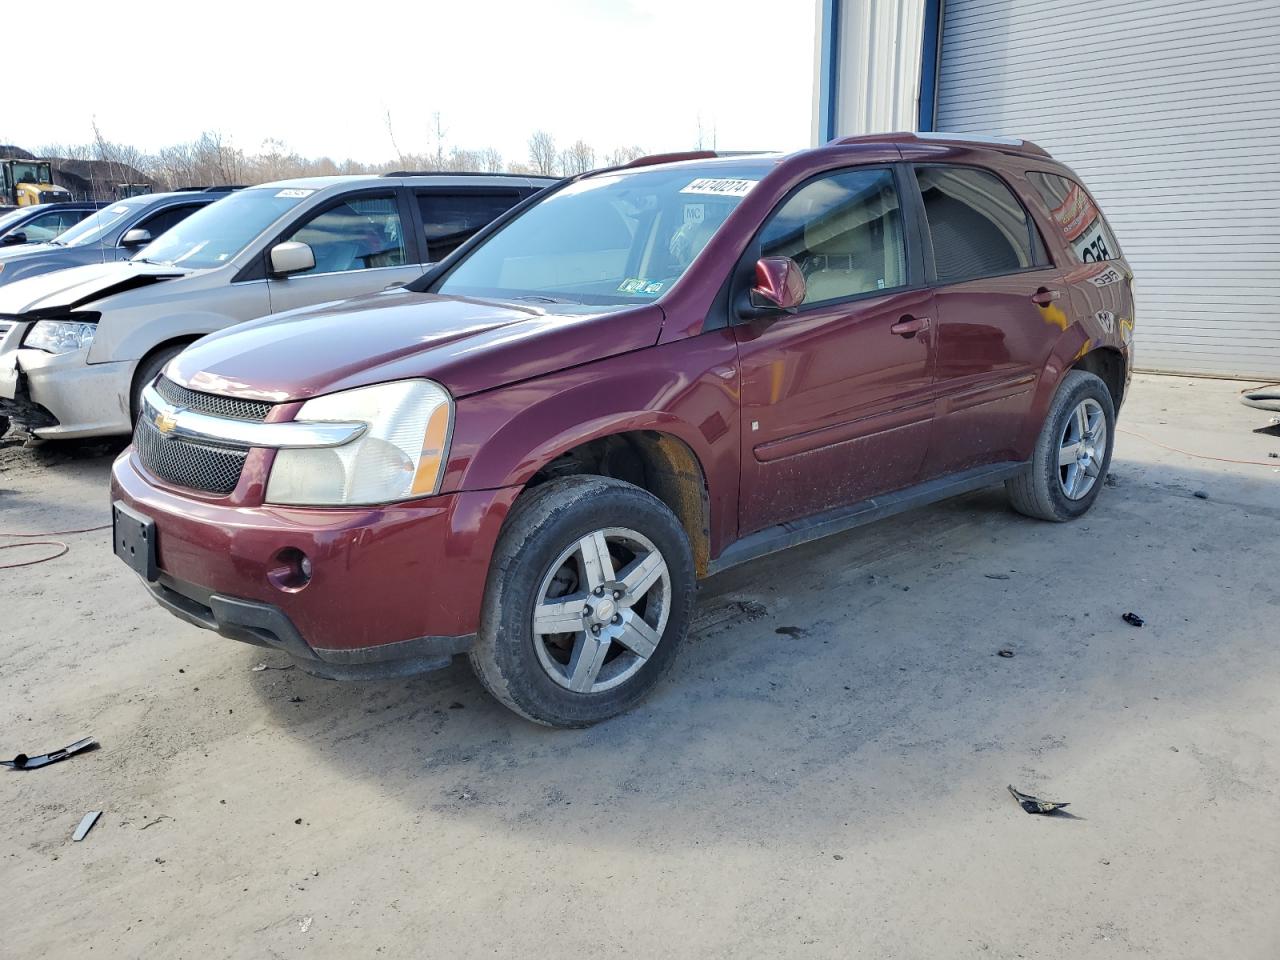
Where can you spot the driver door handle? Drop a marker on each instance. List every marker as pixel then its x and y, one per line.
pixel 909 326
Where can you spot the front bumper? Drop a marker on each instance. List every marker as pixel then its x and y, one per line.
pixel 62 397
pixel 394 589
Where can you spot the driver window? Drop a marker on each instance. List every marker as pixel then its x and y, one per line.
pixel 361 233
pixel 845 233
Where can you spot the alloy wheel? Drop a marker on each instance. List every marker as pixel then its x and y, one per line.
pixel 601 610
pixel 1082 449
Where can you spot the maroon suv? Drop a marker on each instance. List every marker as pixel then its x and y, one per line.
pixel 636 379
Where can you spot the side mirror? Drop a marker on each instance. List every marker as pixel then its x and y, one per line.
pixel 779 288
pixel 292 256
pixel 136 237
pixel 13 239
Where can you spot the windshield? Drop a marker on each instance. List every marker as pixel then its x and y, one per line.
pixel 93 229
pixel 214 234
pixel 31 172
pixel 609 240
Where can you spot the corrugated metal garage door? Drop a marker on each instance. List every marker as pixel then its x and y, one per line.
pixel 1170 111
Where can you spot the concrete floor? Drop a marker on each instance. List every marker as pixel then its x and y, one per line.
pixel 832 790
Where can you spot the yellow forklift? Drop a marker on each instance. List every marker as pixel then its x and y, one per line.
pixel 26 183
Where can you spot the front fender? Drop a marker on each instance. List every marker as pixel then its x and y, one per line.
pixel 687 390
pixel 124 338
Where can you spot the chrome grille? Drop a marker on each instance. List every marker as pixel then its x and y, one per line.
pixel 231 407
pixel 199 467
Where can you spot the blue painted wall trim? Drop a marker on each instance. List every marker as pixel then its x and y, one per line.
pixel 930 56
pixel 829 70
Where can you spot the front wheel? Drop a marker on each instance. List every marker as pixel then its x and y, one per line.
pixel 589 597
pixel 146 374
pixel 1072 453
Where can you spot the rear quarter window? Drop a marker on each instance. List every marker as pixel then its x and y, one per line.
pixel 978 226
pixel 1079 221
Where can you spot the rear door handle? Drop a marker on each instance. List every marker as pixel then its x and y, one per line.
pixel 909 326
pixel 1044 297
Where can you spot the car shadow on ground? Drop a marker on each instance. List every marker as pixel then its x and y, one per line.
pixel 853 679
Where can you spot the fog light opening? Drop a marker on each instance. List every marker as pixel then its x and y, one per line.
pixel 290 570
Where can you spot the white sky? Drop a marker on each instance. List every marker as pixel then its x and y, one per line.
pixel 321 76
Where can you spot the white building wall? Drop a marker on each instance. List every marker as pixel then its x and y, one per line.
pixel 878 58
pixel 1168 109
pixel 1170 112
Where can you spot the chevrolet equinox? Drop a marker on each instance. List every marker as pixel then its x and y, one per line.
pixel 640 377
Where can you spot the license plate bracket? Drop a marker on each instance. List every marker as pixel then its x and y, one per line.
pixel 133 538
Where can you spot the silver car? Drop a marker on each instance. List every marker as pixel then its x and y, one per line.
pixel 77 346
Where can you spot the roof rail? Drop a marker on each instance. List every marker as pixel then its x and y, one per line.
pixel 1008 144
pixel 653 158
pixel 227 188
pixel 461 173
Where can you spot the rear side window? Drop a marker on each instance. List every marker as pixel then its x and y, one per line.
pixel 844 231
pixel 449 219
pixel 979 228
pixel 1077 217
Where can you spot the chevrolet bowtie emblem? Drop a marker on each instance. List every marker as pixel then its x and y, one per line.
pixel 166 422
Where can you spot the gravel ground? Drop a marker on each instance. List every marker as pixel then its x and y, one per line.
pixel 822 775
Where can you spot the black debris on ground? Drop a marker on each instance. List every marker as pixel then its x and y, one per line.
pixel 1035 804
pixel 1132 619
pixel 24 762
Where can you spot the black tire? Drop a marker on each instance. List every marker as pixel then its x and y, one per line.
pixel 148 369
pixel 1039 492
pixel 543 524
pixel 4 427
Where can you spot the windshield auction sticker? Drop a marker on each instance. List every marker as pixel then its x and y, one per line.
pixel 295 193
pixel 720 187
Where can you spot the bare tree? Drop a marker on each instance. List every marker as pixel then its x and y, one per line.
pixel 579 158
pixel 211 160
pixel 620 155
pixel 542 153
pixel 118 163
pixel 491 160
pixel 438 161
pixel 392 134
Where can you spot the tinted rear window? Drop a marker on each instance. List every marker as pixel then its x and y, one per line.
pixel 1077 217
pixel 449 219
pixel 979 228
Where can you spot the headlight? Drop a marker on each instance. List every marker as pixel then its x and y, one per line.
pixel 60 336
pixel 400 456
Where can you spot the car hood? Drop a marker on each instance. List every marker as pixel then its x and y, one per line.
pixel 52 294
pixel 465 344
pixel 26 250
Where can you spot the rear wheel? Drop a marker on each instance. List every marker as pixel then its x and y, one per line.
pixel 1072 453
pixel 588 600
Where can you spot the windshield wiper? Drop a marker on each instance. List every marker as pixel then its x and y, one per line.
pixel 541 299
